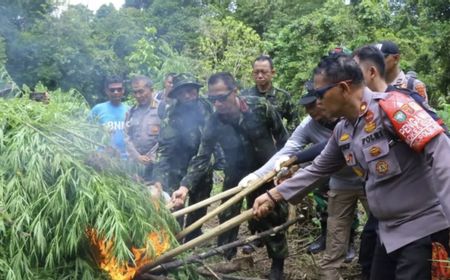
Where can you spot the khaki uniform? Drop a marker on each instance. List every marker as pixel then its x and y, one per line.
pixel 142 125
pixel 408 192
pixel 418 86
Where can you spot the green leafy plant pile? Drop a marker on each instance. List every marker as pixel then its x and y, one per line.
pixel 50 196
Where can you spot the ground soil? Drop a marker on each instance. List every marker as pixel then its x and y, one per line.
pixel 299 265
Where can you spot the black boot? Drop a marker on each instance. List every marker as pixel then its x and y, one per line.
pixel 320 243
pixel 276 270
pixel 351 253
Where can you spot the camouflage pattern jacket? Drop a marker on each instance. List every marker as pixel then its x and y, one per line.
pixel 282 102
pixel 248 142
pixel 178 142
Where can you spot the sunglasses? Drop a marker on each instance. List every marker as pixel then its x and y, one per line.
pixel 221 98
pixel 320 92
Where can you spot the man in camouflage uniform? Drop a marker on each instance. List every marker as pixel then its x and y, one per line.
pixel 179 140
pixel 263 72
pixel 250 132
pixel 394 74
pixel 142 126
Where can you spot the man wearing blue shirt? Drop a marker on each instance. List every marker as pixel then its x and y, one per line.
pixel 111 114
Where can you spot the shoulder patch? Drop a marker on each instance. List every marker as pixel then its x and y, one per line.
pixel 411 123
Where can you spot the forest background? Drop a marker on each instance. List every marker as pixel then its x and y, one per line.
pixel 76 48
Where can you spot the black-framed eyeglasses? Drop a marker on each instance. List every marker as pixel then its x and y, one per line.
pixel 320 92
pixel 220 98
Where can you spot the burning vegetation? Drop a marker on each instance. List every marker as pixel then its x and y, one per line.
pixel 158 244
pixel 50 197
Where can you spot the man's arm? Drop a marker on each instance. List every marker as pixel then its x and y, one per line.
pixel 131 149
pixel 328 162
pixel 298 140
pixel 437 154
pixel 167 141
pixel 198 166
pixel 200 163
pixel 303 181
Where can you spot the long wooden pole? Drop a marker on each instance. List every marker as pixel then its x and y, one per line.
pixel 221 249
pixel 236 198
pixel 244 216
pixel 207 201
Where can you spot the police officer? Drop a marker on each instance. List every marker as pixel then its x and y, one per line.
pixel 345 187
pixel 179 141
pixel 402 167
pixel 249 131
pixel 372 64
pixel 263 73
pixel 394 74
pixel 142 125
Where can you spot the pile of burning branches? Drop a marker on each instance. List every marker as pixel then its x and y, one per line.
pixel 59 217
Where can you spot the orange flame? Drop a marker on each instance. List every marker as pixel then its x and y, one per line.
pixel 123 270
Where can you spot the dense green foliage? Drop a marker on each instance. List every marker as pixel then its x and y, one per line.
pixel 50 196
pixel 77 48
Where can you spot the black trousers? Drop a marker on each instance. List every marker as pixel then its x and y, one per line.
pixel 411 262
pixel 367 246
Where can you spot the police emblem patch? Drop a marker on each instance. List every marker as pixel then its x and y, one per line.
pixel 344 137
pixel 369 127
pixel 375 151
pixel 399 116
pixel 382 167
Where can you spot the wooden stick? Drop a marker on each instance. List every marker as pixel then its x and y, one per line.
pixel 244 216
pixel 247 190
pixel 221 249
pixel 207 201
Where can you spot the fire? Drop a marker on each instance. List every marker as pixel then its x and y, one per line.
pixel 123 270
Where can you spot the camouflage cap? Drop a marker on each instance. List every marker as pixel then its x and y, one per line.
pixel 182 80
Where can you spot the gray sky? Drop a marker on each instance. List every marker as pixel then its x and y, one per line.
pixel 95 4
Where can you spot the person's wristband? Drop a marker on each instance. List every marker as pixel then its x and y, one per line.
pixel 271 197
